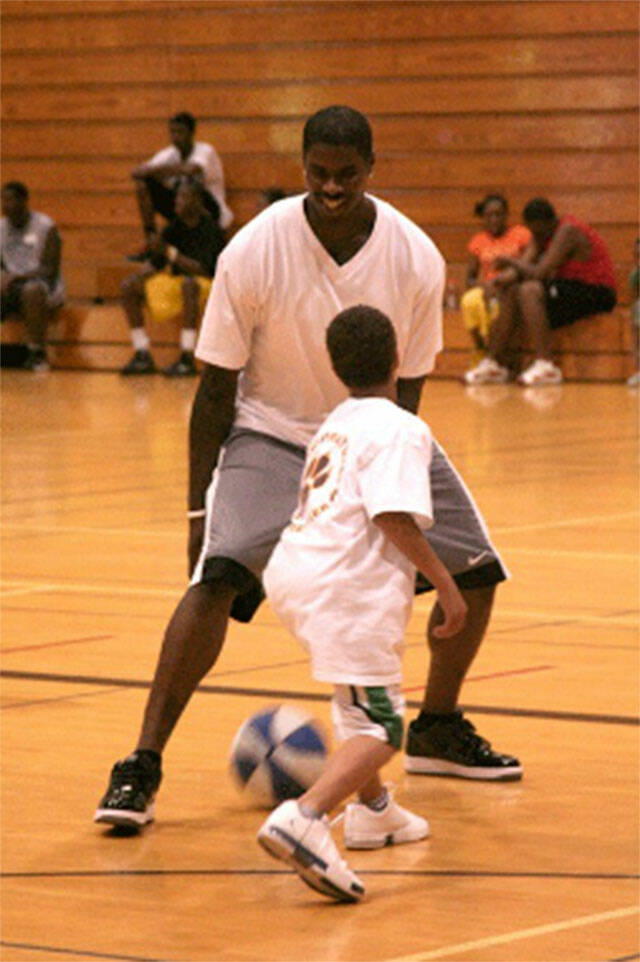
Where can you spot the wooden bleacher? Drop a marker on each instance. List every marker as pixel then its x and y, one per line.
pixel 95 337
pixel 527 97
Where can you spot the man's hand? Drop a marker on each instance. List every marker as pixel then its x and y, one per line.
pixel 196 538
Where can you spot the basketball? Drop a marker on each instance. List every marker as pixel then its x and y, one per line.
pixel 277 754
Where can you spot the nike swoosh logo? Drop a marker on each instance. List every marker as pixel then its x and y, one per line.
pixel 474 559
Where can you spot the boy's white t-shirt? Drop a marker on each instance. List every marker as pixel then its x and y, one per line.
pixel 277 289
pixel 336 582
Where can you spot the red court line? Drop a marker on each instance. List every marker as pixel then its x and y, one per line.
pixel 56 644
pixel 497 674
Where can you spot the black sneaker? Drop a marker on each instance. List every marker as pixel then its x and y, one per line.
pixel 128 801
pixel 140 363
pixel 451 746
pixel 185 366
pixel 36 360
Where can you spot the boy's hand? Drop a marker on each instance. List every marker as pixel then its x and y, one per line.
pixel 454 608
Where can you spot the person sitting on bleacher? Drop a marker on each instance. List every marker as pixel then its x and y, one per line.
pixel 480 303
pixel 158 178
pixel 565 274
pixel 32 285
pixel 176 280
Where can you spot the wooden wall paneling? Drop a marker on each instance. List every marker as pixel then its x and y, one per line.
pixel 83 26
pixel 136 139
pixel 474 95
pixel 419 58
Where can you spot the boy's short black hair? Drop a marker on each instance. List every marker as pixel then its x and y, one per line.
pixel 538 209
pixel 18 188
pixel 185 118
pixel 362 346
pixel 341 127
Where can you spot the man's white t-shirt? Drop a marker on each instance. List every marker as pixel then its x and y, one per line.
pixel 206 156
pixel 277 289
pixel 340 586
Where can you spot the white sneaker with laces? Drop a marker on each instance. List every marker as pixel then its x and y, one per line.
pixel 487 371
pixel 365 828
pixel 541 372
pixel 306 845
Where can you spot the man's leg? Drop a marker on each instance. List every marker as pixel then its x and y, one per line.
pixel 192 643
pixel 531 296
pixel 193 640
pixel 133 297
pixel 34 309
pixel 185 365
pixel 440 740
pixel 451 657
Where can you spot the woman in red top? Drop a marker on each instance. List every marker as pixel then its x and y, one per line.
pixel 565 274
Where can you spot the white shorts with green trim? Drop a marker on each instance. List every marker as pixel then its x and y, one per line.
pixel 373 710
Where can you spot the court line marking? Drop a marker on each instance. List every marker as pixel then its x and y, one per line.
pixel 564 522
pixel 84 953
pixel 314 696
pixel 508 937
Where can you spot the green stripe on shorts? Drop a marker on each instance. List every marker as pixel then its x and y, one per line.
pixel 382 712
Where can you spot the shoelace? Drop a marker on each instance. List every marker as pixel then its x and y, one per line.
pixel 468 734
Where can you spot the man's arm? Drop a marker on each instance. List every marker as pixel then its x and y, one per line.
pixel 409 391
pixel 211 421
pixel 564 244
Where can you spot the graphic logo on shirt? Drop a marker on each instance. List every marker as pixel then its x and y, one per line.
pixel 321 477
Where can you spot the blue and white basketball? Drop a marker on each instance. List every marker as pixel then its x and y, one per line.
pixel 277 754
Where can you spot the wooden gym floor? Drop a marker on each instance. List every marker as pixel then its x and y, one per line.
pixel 93 563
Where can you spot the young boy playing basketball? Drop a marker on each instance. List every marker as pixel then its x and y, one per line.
pixel 341 579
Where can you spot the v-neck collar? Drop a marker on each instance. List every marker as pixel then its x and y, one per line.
pixel 321 253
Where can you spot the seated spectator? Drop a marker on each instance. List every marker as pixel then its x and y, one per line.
pixel 565 274
pixel 176 280
pixel 480 303
pixel 32 285
pixel 634 285
pixel 157 180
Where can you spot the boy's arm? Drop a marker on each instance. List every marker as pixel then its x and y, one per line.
pixel 400 528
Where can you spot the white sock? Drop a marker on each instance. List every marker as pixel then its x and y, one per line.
pixel 188 339
pixel 140 339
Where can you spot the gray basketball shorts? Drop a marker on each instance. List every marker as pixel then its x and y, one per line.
pixel 254 492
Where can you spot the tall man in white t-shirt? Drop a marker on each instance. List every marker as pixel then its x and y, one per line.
pixel 158 179
pixel 267 385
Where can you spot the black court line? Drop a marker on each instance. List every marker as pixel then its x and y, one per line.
pixel 394 873
pixel 83 953
pixel 319 696
pixel 625 958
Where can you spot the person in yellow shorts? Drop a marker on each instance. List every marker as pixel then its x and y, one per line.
pixel 480 303
pixel 174 282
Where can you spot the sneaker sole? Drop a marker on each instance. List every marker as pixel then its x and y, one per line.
pixel 381 841
pixel 125 818
pixel 284 847
pixel 437 766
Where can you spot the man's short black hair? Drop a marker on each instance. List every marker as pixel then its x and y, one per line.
pixel 17 188
pixel 185 118
pixel 538 209
pixel 362 346
pixel 340 126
